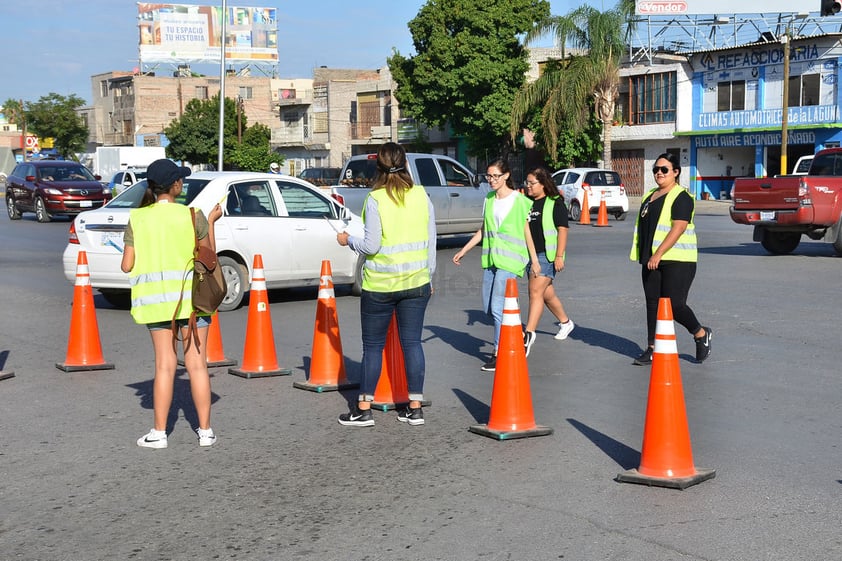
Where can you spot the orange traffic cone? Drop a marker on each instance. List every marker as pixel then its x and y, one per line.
pixel 511 399
pixel 391 390
pixel 259 358
pixel 84 351
pixel 215 355
pixel 602 217
pixel 327 362
pixel 585 213
pixel 666 459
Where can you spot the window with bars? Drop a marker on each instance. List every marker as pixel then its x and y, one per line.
pixel 201 92
pixel 246 92
pixel 803 90
pixel 652 98
pixel 731 96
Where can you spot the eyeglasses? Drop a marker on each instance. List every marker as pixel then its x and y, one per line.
pixel 533 182
pixel 663 169
pixel 494 176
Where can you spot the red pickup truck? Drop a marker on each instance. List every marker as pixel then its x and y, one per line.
pixel 784 208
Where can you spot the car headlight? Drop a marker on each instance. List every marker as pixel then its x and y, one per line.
pixel 51 191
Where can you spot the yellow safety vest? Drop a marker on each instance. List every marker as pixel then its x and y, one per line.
pixel 550 231
pixel 163 242
pixel 402 262
pixel 505 247
pixel 684 248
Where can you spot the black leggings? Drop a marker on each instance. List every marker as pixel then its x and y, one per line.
pixel 672 279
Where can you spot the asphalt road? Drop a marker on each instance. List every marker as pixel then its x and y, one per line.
pixel 285 481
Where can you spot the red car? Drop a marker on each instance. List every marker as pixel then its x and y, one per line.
pixel 53 187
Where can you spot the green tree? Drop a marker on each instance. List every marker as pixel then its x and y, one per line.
pixel 195 135
pixel 468 65
pixel 13 109
pixel 54 116
pixel 585 82
pixel 253 153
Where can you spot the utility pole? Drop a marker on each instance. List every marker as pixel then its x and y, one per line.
pixel 23 131
pixel 785 105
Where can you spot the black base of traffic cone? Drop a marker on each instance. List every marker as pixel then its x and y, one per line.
pixel 319 388
pixel 264 374
pixel 634 476
pixel 510 435
pixel 389 406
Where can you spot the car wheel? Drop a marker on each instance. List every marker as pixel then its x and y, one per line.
pixel 236 280
pixel 837 240
pixel 357 287
pixel 620 216
pixel 12 209
pixel 41 213
pixel 120 299
pixel 780 243
pixel 575 211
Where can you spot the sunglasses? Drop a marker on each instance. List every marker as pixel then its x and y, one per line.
pixel 663 169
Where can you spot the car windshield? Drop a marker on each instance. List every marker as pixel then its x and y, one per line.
pixel 132 197
pixel 360 172
pixel 65 173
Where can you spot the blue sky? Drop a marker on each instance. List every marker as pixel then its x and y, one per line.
pixel 56 45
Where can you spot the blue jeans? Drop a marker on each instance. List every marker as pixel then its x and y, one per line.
pixel 376 309
pixel 494 296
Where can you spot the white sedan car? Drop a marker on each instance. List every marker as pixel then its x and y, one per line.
pixel 291 224
pixel 599 184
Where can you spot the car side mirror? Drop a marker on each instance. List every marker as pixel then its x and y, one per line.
pixel 344 214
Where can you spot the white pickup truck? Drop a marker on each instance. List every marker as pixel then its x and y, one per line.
pixel 458 194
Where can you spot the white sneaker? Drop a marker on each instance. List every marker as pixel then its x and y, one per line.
pixel 206 437
pixel 153 439
pixel 564 329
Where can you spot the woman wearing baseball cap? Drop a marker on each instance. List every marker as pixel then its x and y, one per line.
pixel 159 243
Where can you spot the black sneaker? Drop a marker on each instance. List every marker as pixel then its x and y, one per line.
pixel 357 418
pixel 645 358
pixel 703 344
pixel 412 416
pixel 528 339
pixel 490 366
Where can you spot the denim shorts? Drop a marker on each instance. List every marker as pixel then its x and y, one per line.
pixel 201 321
pixel 547 267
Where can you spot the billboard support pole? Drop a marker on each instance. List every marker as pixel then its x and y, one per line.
pixel 222 85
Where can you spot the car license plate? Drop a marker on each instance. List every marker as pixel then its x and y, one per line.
pixel 767 215
pixel 114 239
pixel 85 204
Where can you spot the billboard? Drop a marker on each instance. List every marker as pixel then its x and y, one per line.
pixel 174 33
pixel 717 7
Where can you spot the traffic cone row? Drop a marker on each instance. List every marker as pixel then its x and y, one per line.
pixel 84 351
pixel 511 399
pixel 327 362
pixel 666 458
pixel 259 357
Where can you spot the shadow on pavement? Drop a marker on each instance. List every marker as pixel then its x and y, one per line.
pixel 626 457
pixel 181 399
pixel 478 410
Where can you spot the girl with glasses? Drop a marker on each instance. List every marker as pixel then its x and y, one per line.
pixel 665 246
pixel 506 244
pixel 548 225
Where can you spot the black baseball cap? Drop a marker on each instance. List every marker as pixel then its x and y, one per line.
pixel 165 172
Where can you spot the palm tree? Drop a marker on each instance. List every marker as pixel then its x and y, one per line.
pixel 592 45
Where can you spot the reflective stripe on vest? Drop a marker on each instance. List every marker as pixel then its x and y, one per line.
pixel 505 247
pixel 402 261
pixel 162 272
pixel 685 248
pixel 550 231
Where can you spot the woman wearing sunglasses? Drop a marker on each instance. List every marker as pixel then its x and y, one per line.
pixel 506 244
pixel 665 246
